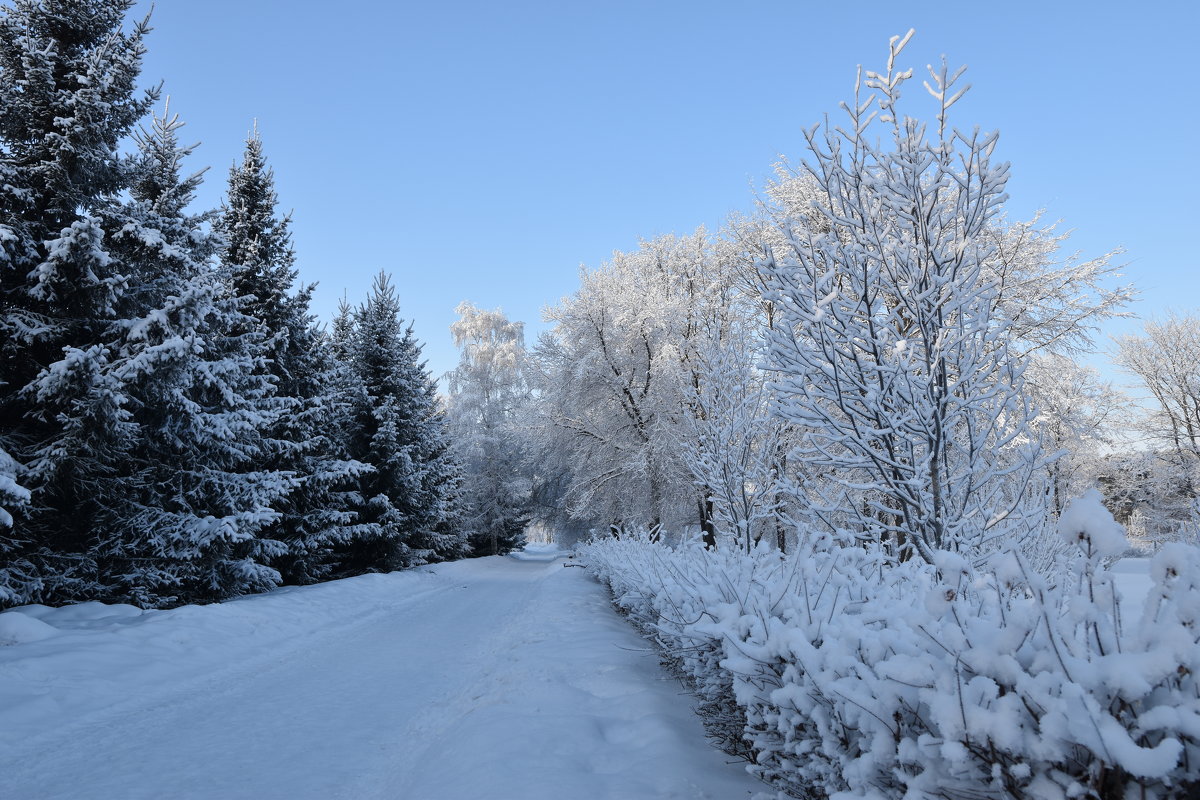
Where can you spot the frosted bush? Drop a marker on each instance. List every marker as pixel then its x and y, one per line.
pixel 1086 523
pixel 854 679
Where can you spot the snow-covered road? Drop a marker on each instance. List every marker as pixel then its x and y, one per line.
pixel 495 678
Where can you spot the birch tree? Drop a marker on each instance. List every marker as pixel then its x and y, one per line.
pixel 488 399
pixel 1166 359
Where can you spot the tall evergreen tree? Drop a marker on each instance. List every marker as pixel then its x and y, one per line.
pixel 409 505
pixel 258 253
pixel 260 261
pixel 184 516
pixel 15 577
pixel 67 98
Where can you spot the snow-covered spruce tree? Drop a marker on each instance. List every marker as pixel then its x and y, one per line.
pixel 67 98
pixel 17 576
pixel 408 509
pixel 488 401
pixel 12 494
pixel 182 516
pixel 257 250
pixel 892 357
pixel 258 258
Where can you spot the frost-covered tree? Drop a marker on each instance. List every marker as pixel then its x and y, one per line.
pixel 486 408
pixel 258 258
pixel 184 516
pixel 408 510
pixel 1166 359
pixel 614 378
pixel 1079 418
pixel 734 445
pixel 68 72
pixel 891 357
pixel 1053 298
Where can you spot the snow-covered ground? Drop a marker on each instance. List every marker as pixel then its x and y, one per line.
pixel 497 678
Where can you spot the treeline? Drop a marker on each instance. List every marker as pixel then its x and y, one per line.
pixel 174 424
pixel 878 352
pixel 875 354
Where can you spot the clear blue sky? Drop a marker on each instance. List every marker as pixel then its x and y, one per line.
pixel 483 150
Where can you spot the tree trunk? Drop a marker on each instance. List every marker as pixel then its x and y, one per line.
pixel 706 522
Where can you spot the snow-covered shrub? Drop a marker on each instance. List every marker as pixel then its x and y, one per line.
pixel 860 679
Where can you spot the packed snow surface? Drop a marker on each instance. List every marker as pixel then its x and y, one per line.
pixel 497 677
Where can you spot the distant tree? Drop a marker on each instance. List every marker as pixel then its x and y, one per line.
pixel 408 510
pixel 1157 492
pixel 1166 358
pixel 486 410
pixel 889 355
pixel 1080 417
pixel 1152 493
pixel 614 378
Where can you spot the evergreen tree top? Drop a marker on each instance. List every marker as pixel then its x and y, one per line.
pixel 257 238
pixel 67 98
pixel 157 181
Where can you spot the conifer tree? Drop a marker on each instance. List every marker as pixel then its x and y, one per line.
pixel 67 98
pixel 408 512
pixel 15 572
pixel 12 494
pixel 259 256
pixel 260 261
pixel 184 516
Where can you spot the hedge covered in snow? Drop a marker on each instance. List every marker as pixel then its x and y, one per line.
pixel 850 677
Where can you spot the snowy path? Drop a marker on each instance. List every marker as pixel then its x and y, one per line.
pixel 494 678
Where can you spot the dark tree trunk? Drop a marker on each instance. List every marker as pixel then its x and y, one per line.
pixel 706 523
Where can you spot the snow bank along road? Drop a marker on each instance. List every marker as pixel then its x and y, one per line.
pixel 495 678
